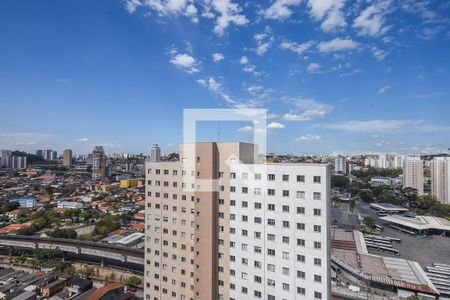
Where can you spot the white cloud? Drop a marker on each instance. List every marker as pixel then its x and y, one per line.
pixel 213 85
pixel 371 126
pixel 351 73
pixel 337 44
pixel 280 9
pixel 82 140
pixel 313 68
pixel 330 11
pixel 379 53
pixel 246 129
pixel 217 56
pixel 243 60
pixel 275 125
pixel 384 89
pixel 229 13
pixel 254 89
pixel 308 138
pixel 210 83
pixel 23 139
pixel 185 62
pixel 264 41
pixel 382 143
pixel 307 109
pixel 371 21
pixel 296 47
pixel 165 7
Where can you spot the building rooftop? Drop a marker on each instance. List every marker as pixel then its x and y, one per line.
pixel 419 222
pixel 349 250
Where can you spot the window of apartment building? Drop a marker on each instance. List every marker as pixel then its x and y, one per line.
pixel 301 242
pixel 317 196
pixel 220 174
pixel 149 171
pixel 271 237
pixel 232 189
pixel 158 171
pixel 317 295
pixel 286 271
pixel 221 202
pixel 300 195
pixel 286 224
pixel 244 276
pixel 317 261
pixel 271 192
pixel 285 255
pixel 301 258
pixel 257 249
pixel 271 222
pixel 285 177
pixel 300 178
pixel 244 204
pixel 301 226
pixel 271 252
pixel 257 191
pixel 244 261
pixel 232 175
pixel 286 208
pixel 174 172
pixel 244 232
pixel 166 172
pixel 301 291
pixel 286 287
pixel 244 190
pixel 317 228
pixel 257 279
pixel 271 207
pixel 257 176
pixel 317 245
pixel 317 212
pixel 244 218
pixel 258 294
pixel 270 267
pixel 301 274
pixel 271 283
pixel 285 239
pixel 257 264
pixel 285 193
pixel 244 176
pixel 257 205
pixel 316 179
pixel 257 220
pixel 244 247
pixel 232 202
pixel 271 177
pixel 300 210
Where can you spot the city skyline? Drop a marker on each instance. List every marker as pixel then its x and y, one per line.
pixel 346 77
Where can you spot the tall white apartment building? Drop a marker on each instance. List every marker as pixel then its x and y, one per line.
pixel 440 179
pixel 155 153
pixel 261 232
pixel 413 174
pixel 340 164
pixel 279 226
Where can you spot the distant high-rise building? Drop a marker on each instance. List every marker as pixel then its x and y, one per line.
pixel 440 179
pixel 40 153
pixel 261 233
pixel 98 163
pixel 340 164
pixel 413 174
pixel 155 153
pixel 67 157
pixel 18 162
pixel 5 161
pixel 54 155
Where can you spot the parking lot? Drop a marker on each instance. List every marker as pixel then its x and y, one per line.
pixel 424 250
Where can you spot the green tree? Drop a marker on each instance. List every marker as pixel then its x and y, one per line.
pixel 369 221
pixel 133 281
pixel 340 181
pixel 409 196
pixel 366 196
pixel 351 205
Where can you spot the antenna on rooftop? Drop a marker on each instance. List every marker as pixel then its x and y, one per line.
pixel 218 131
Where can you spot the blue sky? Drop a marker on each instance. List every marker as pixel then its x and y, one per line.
pixel 335 75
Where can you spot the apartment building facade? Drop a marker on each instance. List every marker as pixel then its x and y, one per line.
pixel 196 217
pixel 440 179
pixel 413 174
